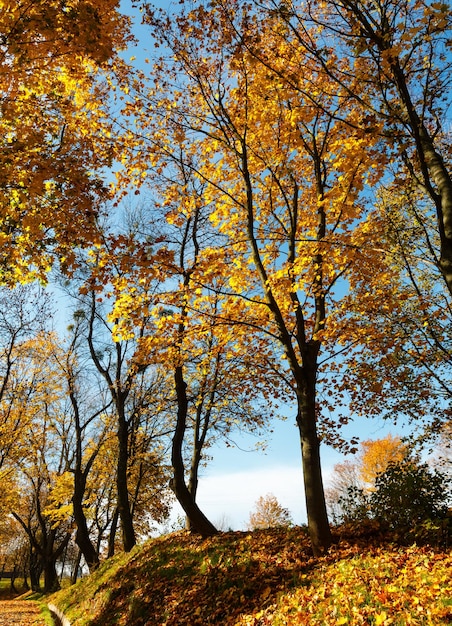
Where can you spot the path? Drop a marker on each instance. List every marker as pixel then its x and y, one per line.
pixel 20 613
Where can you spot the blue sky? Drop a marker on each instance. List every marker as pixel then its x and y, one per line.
pixel 230 485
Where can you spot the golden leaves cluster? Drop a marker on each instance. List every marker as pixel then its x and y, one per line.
pixel 54 61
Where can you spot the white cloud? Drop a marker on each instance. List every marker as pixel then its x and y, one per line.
pixel 229 497
pixel 232 496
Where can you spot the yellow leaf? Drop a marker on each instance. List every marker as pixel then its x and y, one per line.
pixel 380 618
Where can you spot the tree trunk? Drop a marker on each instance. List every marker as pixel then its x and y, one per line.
pixel 194 468
pixel 193 476
pixel 112 535
pixel 51 582
pixel 50 558
pixel 125 515
pixel 318 525
pixel 35 570
pixel 198 522
pixel 82 538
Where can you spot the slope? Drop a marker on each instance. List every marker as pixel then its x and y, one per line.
pixel 264 577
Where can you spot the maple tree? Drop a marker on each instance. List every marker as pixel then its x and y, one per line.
pixel 47 541
pixel 214 384
pixel 49 386
pixel 214 387
pixel 375 456
pixel 398 74
pixel 36 464
pixel 402 370
pixel 282 185
pixel 392 61
pixel 24 313
pixel 68 496
pixel 131 386
pixel 269 513
pixel 388 61
pixel 282 191
pixel 14 554
pixel 26 388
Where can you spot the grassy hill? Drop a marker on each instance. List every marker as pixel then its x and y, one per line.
pixel 264 578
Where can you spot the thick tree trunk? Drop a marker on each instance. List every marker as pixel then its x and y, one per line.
pixel 50 558
pixel 304 374
pixel 125 514
pixel 198 522
pixel 51 582
pixel 35 570
pixel 83 541
pixel 306 379
pixel 82 538
pixel 318 525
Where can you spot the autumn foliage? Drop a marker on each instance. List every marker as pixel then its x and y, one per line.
pixel 269 513
pixel 55 63
pixel 293 246
pixel 264 578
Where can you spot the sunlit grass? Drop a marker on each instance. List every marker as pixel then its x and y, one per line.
pixel 263 578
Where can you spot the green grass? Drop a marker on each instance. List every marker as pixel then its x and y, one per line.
pixel 263 578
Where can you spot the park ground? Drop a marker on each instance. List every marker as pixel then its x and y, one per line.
pixel 265 578
pixel 28 609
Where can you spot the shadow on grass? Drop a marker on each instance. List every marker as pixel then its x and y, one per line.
pixel 181 579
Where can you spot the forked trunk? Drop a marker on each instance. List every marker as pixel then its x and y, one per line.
pixel 82 538
pixel 197 521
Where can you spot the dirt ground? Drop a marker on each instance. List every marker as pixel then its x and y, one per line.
pixel 20 613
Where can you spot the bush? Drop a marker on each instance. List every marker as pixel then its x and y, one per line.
pixel 354 505
pixel 407 494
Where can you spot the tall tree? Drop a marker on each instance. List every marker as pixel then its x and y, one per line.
pixel 215 389
pixel 37 463
pixel 282 182
pixel 402 370
pixel 86 426
pixel 399 77
pixel 131 384
pixel 24 313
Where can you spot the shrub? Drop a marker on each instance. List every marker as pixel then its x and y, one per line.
pixel 354 505
pixel 407 494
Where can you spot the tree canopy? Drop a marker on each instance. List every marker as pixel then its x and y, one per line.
pixel 289 241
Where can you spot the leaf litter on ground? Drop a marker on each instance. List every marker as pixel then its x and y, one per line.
pixel 266 577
